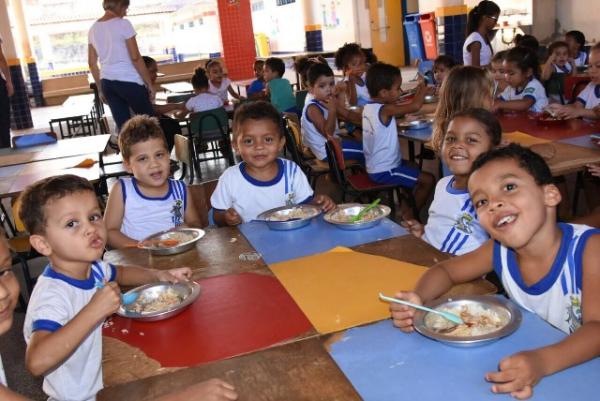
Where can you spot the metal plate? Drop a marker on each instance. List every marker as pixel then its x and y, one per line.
pixel 187 290
pixel 340 215
pixel 430 99
pixel 415 124
pixel 194 235
pixel 500 305
pixel 285 217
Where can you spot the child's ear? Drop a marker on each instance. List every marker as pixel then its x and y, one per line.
pixel 552 196
pixel 40 244
pixel 127 166
pixel 281 142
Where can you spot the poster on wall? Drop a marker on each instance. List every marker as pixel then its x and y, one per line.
pixel 330 18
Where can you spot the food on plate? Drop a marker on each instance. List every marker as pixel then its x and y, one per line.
pixel 478 321
pixel 168 240
pixel 148 304
pixel 296 213
pixel 339 216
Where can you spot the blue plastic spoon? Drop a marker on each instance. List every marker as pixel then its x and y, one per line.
pixel 126 299
pixel 450 316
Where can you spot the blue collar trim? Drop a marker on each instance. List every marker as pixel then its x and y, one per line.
pixel 259 183
pixel 141 195
pixel 597 91
pixel 451 190
pixel 86 284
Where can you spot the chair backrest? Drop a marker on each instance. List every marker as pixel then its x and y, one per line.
pixel 291 144
pixel 210 121
pixel 335 159
pixel 200 195
pixel 300 99
pixel 182 150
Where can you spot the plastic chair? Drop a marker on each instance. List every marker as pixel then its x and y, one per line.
pixel 300 100
pixel 200 194
pixel 19 244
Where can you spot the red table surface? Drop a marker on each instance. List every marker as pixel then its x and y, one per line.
pixel 554 131
pixel 234 314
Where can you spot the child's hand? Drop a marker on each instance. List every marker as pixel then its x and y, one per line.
pixel 232 218
pixel 325 202
pixel 106 300
pixel 341 87
pixel 402 316
pixel 210 390
pixel 174 275
pixel 414 227
pixel 594 169
pixel 518 374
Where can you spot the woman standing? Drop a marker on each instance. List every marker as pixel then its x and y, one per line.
pixel 122 73
pixel 6 91
pixel 477 50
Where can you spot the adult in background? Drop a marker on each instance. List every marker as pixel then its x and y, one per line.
pixel 477 50
pixel 6 91
pixel 125 84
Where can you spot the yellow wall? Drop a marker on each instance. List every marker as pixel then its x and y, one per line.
pixel 387 33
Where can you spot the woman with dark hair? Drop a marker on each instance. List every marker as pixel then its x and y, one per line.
pixel 482 19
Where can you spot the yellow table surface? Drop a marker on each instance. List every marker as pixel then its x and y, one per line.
pixel 339 289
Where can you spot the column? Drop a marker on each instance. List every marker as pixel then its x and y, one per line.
pixel 237 36
pixel 25 46
pixel 20 111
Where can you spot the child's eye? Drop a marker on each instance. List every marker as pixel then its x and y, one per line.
pixel 269 139
pixel 480 203
pixel 247 141
pixel 141 159
pixel 510 187
pixel 96 217
pixel 450 139
pixel 6 272
pixel 472 140
pixel 72 224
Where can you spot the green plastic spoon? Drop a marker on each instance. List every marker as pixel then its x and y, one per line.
pixel 450 316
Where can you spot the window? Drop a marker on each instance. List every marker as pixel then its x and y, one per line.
pixel 284 2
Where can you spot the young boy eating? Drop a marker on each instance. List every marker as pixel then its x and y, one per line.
pixel 150 201
pixel 548 268
pixel 262 181
pixel 63 325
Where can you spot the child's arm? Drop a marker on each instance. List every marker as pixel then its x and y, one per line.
pixel 391 110
pixel 351 90
pixel 136 275
pixel 324 202
pixel 191 218
pixel 414 227
pixel 233 93
pixel 227 217
pixel 325 126
pixel 548 68
pixel 343 113
pixel 210 390
pixel 47 350
pixel 574 110
pixel 113 218
pixel 514 105
pixel 520 372
pixel 475 50
pixel 8 395
pixel 439 279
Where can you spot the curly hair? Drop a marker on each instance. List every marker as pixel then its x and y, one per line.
pixel 138 129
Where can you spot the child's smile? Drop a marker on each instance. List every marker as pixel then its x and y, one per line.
pixel 259 143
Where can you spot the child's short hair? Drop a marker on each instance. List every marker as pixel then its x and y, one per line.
pixel 500 56
pixel 35 198
pixel 345 53
pixel 209 64
pixel 557 45
pixel 303 64
pixel 381 76
pixel 527 159
pixel 200 79
pixel 578 37
pixel 139 128
pixel 276 64
pixel 257 63
pixel 114 5
pixel 528 41
pixel 318 70
pixel 370 56
pixel 525 59
pixel 487 119
pixel 445 60
pixel 256 110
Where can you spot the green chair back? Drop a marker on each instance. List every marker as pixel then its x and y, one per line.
pixel 300 99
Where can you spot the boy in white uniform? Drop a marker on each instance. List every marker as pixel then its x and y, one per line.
pixel 64 318
pixel 548 268
pixel 262 181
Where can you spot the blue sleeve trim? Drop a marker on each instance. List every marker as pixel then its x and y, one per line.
pixel 381 121
pixel 497 259
pixel 113 272
pixel 318 108
pixel 530 97
pixel 123 190
pixel 578 257
pixel 184 195
pixel 580 100
pixel 45 325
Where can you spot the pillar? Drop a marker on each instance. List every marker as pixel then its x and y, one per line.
pixel 27 54
pixel 20 111
pixel 237 35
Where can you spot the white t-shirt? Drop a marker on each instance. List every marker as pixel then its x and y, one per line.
pixel 452 225
pixel 108 39
pixel 485 54
pixel 562 70
pixel 590 96
pixel 310 134
pixel 362 93
pixel 250 197
pixel 380 142
pixel 533 90
pixel 2 375
pixel 203 101
pixel 581 59
pixel 220 91
pixel 56 300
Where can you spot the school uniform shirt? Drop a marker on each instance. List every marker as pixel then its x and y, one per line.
pixel 566 69
pixel 1 73
pixel 590 96
pixel 2 375
pixel 220 91
pixel 250 197
pixel 581 59
pixel 380 141
pixel 485 54
pixel 203 101
pixel 533 90
pixel 282 96
pixel 556 298
pixel 56 299
pixel 144 215
pixel 310 134
pixel 362 93
pixel 452 225
pixel 256 86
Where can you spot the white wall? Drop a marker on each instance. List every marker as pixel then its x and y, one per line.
pixel 284 25
pixel 581 15
pixel 364 23
pixel 426 6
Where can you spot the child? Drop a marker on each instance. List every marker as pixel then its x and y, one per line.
pixel 302 65
pixel 256 90
pixel 481 21
pixel 351 59
pixel 262 181
pixel 452 225
pixel 497 70
pixel 63 324
pixel 279 89
pixel 441 68
pixel 589 99
pixel 218 84
pixel 544 266
pixel 576 42
pixel 320 115
pixel 558 64
pixel 381 146
pixel 524 91
pixel 149 201
pixel 203 99
pixel 528 41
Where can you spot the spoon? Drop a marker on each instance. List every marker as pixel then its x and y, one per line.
pixel 365 210
pixel 447 315
pixel 126 299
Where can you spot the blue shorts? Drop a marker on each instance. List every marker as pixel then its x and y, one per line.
pixel 402 175
pixel 352 150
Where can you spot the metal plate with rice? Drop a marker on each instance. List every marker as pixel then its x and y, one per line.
pixel 158 301
pixel 415 124
pixel 171 242
pixel 341 216
pixel 498 313
pixel 289 217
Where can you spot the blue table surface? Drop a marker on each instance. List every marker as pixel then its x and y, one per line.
pixel 319 236
pixel 583 141
pixel 382 363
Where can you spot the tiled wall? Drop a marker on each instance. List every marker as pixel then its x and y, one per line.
pixel 238 38
pixel 20 116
